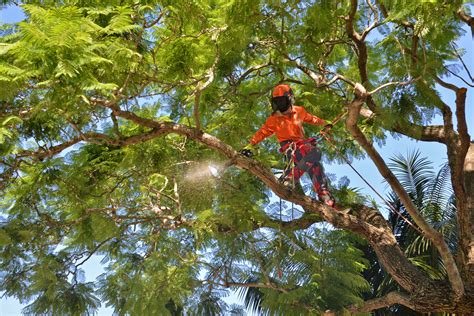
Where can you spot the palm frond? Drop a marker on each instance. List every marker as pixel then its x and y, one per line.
pixel 414 173
pixel 251 296
pixel 440 186
pixel 209 304
pixel 421 262
pixel 432 193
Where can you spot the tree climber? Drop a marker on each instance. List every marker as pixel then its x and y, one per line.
pixel 302 155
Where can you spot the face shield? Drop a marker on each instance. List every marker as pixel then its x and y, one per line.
pixel 281 103
pixel 282 98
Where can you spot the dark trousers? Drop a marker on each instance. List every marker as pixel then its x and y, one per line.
pixel 304 157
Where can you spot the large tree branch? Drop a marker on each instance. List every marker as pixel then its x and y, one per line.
pixel 458 144
pixel 461 179
pixel 359 42
pixel 464 136
pixel 469 20
pixel 375 229
pixel 466 222
pixel 445 84
pixel 391 298
pixel 432 234
pixel 430 133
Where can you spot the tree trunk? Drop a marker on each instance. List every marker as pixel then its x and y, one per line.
pixel 466 224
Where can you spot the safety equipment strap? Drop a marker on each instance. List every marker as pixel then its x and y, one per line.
pixel 393 209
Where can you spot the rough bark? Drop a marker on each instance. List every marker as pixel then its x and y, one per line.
pixel 456 149
pixel 432 234
pixel 467 222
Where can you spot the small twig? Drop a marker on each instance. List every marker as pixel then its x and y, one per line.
pixel 458 76
pixel 396 83
pixel 154 22
pixel 92 253
pixel 116 125
pixel 374 24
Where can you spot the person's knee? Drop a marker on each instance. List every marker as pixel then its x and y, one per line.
pixel 314 155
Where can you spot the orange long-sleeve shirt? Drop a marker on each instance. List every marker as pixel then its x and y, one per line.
pixel 286 127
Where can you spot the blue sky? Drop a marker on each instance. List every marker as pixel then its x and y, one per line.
pixel 434 151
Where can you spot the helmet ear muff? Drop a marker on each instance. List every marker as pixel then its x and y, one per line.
pixel 291 97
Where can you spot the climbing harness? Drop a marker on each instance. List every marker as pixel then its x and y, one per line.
pixel 291 147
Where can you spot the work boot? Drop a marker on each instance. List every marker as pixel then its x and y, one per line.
pixel 327 198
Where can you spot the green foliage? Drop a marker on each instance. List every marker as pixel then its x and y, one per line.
pixel 85 172
pixel 315 271
pixel 7 134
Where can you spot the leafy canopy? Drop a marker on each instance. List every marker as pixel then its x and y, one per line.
pixel 83 173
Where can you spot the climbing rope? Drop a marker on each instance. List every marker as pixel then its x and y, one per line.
pixel 289 169
pixel 319 138
pixel 393 209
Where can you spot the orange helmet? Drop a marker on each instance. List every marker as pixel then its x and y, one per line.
pixel 282 98
pixel 282 90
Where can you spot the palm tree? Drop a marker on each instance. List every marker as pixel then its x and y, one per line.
pixel 433 195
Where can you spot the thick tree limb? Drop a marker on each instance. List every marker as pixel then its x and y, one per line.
pixel 359 42
pixel 462 180
pixel 432 234
pixel 391 298
pixel 466 223
pixel 464 136
pixel 458 144
pixel 469 20
pixel 445 84
pixel 430 133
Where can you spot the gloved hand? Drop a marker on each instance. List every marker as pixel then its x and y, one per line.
pixel 248 151
pixel 327 128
